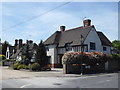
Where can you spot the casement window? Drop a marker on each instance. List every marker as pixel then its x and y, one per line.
pixel 104 48
pixel 68 47
pixel 47 48
pixel 92 46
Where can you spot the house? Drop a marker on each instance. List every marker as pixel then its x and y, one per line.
pixel 70 40
pixel 22 51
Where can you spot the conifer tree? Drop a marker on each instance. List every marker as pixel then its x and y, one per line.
pixel 41 56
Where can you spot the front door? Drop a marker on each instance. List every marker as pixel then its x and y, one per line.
pixel 60 59
pixel 49 60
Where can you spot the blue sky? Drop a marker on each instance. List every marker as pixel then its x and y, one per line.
pixel 104 16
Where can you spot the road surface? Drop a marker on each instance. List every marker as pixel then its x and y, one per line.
pixel 55 79
pixel 97 81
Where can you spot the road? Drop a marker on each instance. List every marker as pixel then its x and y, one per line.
pixel 95 81
pixel 55 79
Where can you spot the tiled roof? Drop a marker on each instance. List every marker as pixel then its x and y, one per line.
pixel 54 38
pixel 11 48
pixel 104 39
pixel 22 50
pixel 16 54
pixel 73 36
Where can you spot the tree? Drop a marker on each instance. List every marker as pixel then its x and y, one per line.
pixel 41 56
pixel 116 45
pixel 0 49
pixel 4 47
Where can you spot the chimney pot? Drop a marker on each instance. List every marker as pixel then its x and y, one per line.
pixel 87 22
pixel 16 42
pixel 62 28
pixel 20 43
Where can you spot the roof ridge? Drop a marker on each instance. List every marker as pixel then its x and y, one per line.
pixel 79 27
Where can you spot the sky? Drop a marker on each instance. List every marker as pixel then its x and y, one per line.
pixel 39 20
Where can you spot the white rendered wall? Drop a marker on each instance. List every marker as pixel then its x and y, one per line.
pixel 7 53
pixel 93 37
pixel 108 50
pixel 53 53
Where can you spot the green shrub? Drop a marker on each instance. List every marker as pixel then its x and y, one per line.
pixel 26 67
pixel 0 63
pixel 7 60
pixel 115 56
pixel 2 57
pixel 35 67
pixel 15 65
pixel 13 60
pixel 10 60
pixel 20 67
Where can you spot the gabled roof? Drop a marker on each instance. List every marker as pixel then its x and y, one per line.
pixel 68 36
pixel 11 48
pixel 16 54
pixel 105 41
pixel 54 38
pixel 22 50
pixel 73 36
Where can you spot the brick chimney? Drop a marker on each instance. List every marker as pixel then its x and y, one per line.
pixel 29 42
pixel 62 28
pixel 20 43
pixel 16 42
pixel 86 22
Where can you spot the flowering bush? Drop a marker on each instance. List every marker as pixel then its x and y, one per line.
pixel 73 57
pixel 88 58
pixel 99 56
